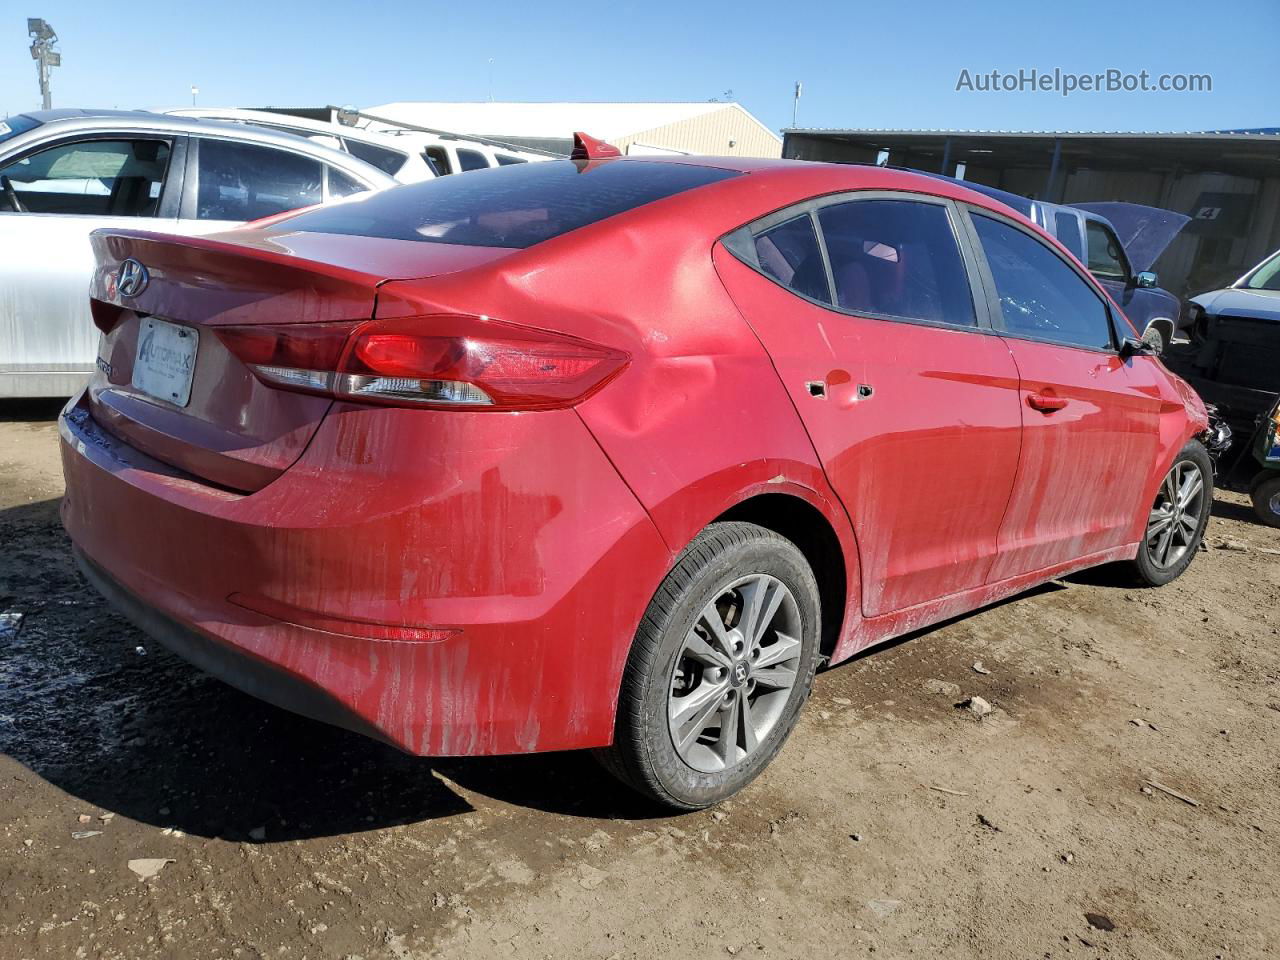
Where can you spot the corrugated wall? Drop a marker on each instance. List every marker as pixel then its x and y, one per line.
pixel 728 132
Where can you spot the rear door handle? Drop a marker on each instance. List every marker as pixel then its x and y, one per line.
pixel 1045 404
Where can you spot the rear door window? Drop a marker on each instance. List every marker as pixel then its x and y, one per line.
pixel 1041 297
pixel 244 181
pixel 472 160
pixel 513 207
pixel 897 259
pixel 1106 257
pixel 789 253
pixel 100 177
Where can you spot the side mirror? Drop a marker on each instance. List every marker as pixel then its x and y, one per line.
pixel 1133 347
pixel 1146 279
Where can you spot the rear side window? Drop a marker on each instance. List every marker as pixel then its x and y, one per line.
pixel 472 160
pixel 1067 229
pixel 897 258
pixel 1041 298
pixel 1105 256
pixel 341 185
pixel 509 206
pixel 243 181
pixel 388 161
pixel 438 160
pixel 789 253
pixel 506 160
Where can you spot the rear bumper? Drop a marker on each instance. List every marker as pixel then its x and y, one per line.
pixel 258 678
pixel 481 601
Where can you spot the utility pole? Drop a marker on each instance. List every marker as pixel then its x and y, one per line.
pixel 795 104
pixel 42 40
pixel 195 91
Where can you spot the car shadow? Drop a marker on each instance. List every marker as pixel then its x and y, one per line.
pixel 96 708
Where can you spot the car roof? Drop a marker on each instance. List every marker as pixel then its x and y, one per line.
pixel 286 120
pixel 72 120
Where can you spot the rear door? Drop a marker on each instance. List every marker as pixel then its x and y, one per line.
pixel 66 189
pixel 910 400
pixel 1090 417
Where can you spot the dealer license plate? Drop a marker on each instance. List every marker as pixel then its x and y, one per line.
pixel 166 360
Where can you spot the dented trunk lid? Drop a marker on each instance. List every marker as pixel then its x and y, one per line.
pixel 232 430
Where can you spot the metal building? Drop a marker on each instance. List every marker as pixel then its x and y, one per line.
pixel 1228 181
pixel 713 128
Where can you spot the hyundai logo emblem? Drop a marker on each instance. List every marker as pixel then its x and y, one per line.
pixel 132 278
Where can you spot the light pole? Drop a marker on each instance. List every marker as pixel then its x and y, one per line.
pixel 42 40
pixel 795 104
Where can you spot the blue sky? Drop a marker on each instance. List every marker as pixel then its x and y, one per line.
pixel 881 64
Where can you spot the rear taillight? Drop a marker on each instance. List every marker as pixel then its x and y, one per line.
pixel 450 361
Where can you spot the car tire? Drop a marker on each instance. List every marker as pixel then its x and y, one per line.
pixel 1177 518
pixel 701 711
pixel 1154 338
pixel 1266 501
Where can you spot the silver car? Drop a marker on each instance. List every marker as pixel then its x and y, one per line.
pixel 64 173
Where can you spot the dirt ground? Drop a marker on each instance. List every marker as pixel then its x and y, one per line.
pixel 892 824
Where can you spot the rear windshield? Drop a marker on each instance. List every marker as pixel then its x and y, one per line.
pixel 12 126
pixel 514 206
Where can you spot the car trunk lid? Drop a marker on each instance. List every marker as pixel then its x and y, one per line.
pixel 166 382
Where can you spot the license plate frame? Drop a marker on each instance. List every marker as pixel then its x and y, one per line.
pixel 164 365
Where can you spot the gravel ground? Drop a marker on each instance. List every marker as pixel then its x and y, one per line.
pixel 893 824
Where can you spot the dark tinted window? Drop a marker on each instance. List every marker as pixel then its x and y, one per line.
pixel 472 160
pixel 104 178
pixel 509 206
pixel 789 253
pixel 1066 227
pixel 388 161
pixel 897 258
pixel 241 181
pixel 1105 256
pixel 1040 296
pixel 341 185
pixel 438 160
pixel 506 160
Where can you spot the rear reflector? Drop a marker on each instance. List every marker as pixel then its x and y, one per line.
pixel 448 361
pixel 363 629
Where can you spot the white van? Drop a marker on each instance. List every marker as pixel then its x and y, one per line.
pixel 392 156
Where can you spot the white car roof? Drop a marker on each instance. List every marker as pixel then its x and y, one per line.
pixel 72 121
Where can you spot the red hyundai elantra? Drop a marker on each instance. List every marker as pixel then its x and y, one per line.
pixel 609 453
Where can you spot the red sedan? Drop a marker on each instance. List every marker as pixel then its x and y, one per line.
pixel 609 453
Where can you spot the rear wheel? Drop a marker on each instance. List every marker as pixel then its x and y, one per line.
pixel 1175 525
pixel 1266 501
pixel 721 665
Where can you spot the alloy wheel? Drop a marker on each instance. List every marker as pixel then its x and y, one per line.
pixel 1174 522
pixel 734 674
